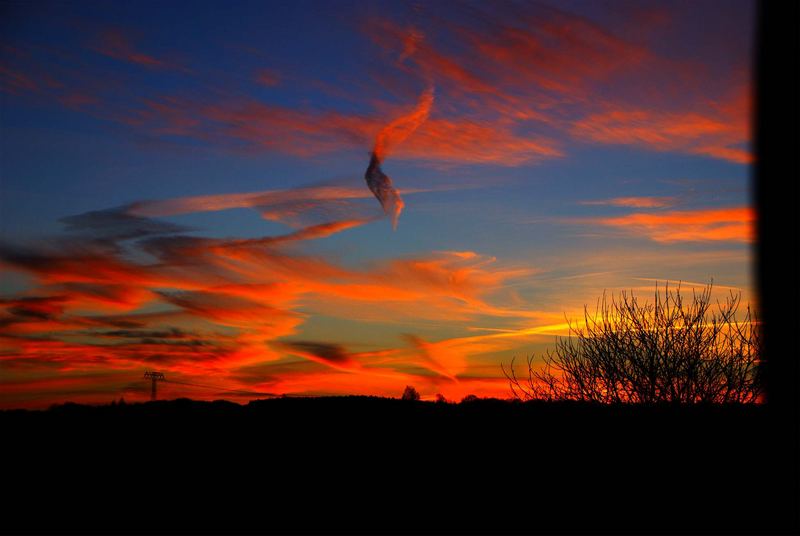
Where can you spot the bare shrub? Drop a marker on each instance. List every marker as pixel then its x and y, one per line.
pixel 673 350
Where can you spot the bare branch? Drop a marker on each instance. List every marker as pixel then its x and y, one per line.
pixel 672 350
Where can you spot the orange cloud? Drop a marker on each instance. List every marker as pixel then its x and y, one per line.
pixel 253 125
pixel 513 85
pixel 517 62
pixel 442 286
pixel 297 207
pixel 392 134
pixel 557 52
pixel 82 267
pixel 331 355
pixel 530 63
pixel 286 206
pixel 312 232
pixel 434 358
pixel 634 202
pixel 705 133
pixel 721 224
pixel 401 128
pixel 477 142
pixel 209 306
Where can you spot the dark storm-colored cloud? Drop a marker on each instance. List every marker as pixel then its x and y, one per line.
pixel 172 333
pixel 23 257
pixel 99 271
pixel 34 307
pixel 327 353
pixel 118 224
pixel 274 372
pixel 390 136
pixel 176 248
pixel 381 185
pixel 119 293
pixel 193 343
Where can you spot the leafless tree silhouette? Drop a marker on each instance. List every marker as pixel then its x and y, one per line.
pixel 671 350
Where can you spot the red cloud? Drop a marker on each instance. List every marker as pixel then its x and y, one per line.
pixel 258 126
pixel 706 133
pixel 116 44
pixel 513 86
pixel 210 306
pixel 267 77
pixel 538 64
pixel 476 142
pixel 401 128
pixel 514 63
pixel 16 82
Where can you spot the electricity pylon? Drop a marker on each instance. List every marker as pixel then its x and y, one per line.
pixel 155 377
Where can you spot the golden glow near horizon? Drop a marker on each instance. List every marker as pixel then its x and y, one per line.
pixel 216 225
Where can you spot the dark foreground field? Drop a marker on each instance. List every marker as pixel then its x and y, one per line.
pixel 358 464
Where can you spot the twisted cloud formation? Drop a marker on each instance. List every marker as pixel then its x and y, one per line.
pixel 392 134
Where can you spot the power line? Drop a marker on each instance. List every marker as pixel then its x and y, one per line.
pixel 155 377
pixel 254 393
pixel 160 377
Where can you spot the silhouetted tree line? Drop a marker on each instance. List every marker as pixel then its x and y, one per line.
pixel 410 394
pixel 673 350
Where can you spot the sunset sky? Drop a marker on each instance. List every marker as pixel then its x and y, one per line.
pixel 182 187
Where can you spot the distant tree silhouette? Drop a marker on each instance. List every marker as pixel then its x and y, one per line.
pixel 440 398
pixel 410 393
pixel 469 398
pixel 669 351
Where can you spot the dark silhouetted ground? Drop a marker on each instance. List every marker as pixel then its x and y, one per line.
pixel 365 465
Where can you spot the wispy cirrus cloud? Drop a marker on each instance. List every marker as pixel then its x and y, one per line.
pixel 268 77
pixel 253 125
pixel 703 133
pixel 634 202
pixel 117 43
pixel 295 206
pixel 535 65
pixel 515 86
pixel 122 291
pixel 16 82
pixel 389 136
pixel 735 224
